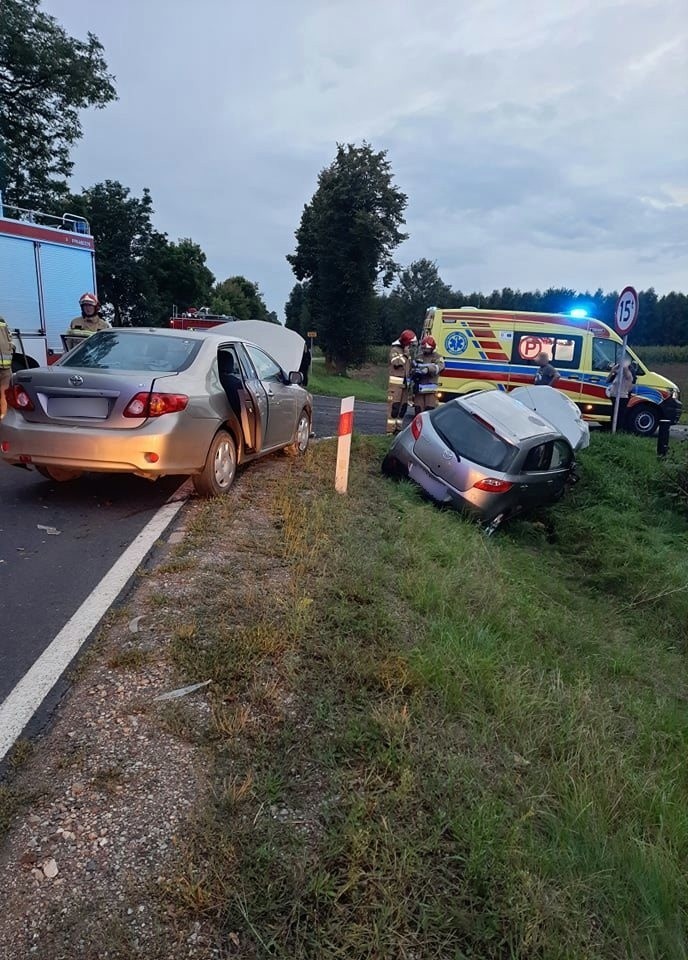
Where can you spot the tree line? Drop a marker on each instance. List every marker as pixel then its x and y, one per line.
pixel 663 319
pixel 142 275
pixel 349 287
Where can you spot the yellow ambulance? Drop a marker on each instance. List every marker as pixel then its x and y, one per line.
pixel 498 349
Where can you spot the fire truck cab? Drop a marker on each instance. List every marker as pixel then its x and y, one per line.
pixel 46 263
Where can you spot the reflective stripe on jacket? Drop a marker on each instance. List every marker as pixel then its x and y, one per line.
pixel 88 324
pixel 6 347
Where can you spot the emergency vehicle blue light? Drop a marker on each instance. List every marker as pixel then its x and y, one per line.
pixel 579 312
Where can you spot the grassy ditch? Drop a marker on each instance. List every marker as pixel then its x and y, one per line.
pixel 369 383
pixel 426 744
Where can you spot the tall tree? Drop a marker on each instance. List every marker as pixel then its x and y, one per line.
pixel 178 274
pixel 297 311
pixel 123 232
pixel 46 78
pixel 345 244
pixel 419 287
pixel 240 298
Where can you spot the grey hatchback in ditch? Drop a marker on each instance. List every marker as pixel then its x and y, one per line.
pixel 485 453
pixel 155 403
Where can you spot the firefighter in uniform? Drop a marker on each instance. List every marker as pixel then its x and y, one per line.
pixel 6 349
pixel 426 369
pixel 399 383
pixel 89 321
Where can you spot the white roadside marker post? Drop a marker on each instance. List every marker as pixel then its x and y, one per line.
pixel 344 431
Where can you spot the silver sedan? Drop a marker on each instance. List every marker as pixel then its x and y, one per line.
pixel 157 402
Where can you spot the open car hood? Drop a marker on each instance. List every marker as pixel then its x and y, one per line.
pixel 558 410
pixel 284 346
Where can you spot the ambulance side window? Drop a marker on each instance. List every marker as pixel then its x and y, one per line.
pixel 564 352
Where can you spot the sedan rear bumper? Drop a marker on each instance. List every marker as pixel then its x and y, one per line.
pixel 165 445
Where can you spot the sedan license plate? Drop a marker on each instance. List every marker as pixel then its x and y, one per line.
pixel 91 408
pixel 436 489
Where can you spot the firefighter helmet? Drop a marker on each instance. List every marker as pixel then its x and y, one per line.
pixel 428 343
pixel 88 299
pixel 407 337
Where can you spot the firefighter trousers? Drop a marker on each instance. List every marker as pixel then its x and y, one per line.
pixel 397 403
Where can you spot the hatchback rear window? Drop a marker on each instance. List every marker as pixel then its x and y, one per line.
pixel 469 438
pixel 114 350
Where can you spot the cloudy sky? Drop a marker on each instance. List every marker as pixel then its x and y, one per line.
pixel 540 142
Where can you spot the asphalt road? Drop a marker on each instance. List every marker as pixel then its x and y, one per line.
pixel 368 417
pixel 44 577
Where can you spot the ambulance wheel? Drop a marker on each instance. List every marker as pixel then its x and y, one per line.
pixel 220 467
pixel 58 474
pixel 642 420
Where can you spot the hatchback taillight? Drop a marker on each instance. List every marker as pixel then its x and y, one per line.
pixel 155 404
pixel 493 485
pixel 18 398
pixel 416 426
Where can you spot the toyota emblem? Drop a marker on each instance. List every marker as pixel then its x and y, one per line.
pixel 76 380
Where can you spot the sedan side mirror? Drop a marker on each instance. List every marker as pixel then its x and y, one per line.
pixel 296 377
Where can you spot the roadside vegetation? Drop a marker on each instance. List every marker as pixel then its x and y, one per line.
pixel 429 744
pixel 367 383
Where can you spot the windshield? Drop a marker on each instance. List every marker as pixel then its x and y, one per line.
pixel 469 438
pixel 116 350
pixel 605 353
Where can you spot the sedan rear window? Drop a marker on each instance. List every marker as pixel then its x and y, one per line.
pixel 468 437
pixel 116 350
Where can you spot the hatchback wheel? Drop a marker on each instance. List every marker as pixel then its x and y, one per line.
pixel 301 437
pixel 219 471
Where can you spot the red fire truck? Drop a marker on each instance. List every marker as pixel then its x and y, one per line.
pixel 201 319
pixel 46 263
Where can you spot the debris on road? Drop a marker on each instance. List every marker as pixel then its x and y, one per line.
pixel 51 531
pixel 182 691
pixel 134 624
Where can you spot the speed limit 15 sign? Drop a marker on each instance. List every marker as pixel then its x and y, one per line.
pixel 626 312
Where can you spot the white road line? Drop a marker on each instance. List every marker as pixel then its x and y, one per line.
pixel 27 696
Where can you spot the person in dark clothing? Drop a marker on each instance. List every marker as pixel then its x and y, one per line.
pixel 305 364
pixel 546 375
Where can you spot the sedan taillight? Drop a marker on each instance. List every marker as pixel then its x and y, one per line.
pixel 155 405
pixel 18 398
pixel 493 485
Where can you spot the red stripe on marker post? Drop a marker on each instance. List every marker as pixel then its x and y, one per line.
pixel 344 431
pixel 346 423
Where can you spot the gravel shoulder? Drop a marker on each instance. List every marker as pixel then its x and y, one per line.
pixel 104 799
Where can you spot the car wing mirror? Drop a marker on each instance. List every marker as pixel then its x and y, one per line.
pixel 296 377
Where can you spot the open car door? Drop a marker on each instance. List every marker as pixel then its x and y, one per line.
pixel 245 395
pixel 284 346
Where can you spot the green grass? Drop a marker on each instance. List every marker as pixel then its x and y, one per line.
pixel 368 384
pixel 663 354
pixel 429 744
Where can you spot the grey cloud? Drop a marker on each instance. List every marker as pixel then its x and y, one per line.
pixel 538 143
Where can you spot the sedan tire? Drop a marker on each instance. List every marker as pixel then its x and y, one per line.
pixel 58 474
pixel 301 437
pixel 220 467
